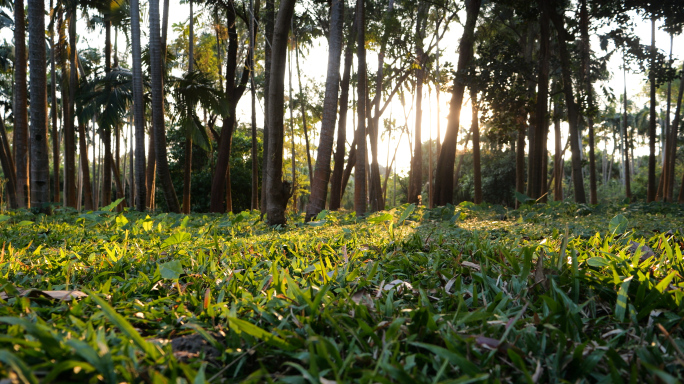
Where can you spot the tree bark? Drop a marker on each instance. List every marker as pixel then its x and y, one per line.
pixel 475 128
pixel 652 187
pixel 252 85
pixel 673 143
pixel 535 179
pixel 158 109
pixel 444 177
pixel 8 167
pixel 69 129
pixel 589 92
pixel 187 172
pixel 319 185
pixel 53 111
pixel 40 164
pixel 360 171
pixel 21 129
pixel 625 138
pixel 268 39
pixel 336 184
pixel 138 109
pixel 416 178
pixel 278 191
pixel 83 149
pixel 557 160
pixel 578 182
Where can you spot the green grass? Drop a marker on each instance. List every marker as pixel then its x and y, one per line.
pixel 465 294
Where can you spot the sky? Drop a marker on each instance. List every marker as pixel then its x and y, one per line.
pixel 314 67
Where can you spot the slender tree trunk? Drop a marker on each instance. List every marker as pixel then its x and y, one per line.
pixel 40 164
pixel 69 130
pixel 53 111
pixel 319 185
pixel 438 85
pixel 475 128
pixel 578 182
pixel 444 178
pixel 557 161
pixel 252 85
pixel 360 172
pixel 588 89
pixel 8 167
pixel 21 129
pixel 651 192
pixel 279 191
pixel 83 149
pixel 535 179
pixel 303 103
pixel 292 134
pixel 673 143
pixel 187 176
pixel 158 109
pixel 626 141
pixel 336 189
pixel 268 39
pixel 416 178
pixel 151 172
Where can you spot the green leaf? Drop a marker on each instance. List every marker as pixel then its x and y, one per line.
pixel 598 262
pixel 125 327
pixel 407 212
pixel 24 223
pixel 523 198
pixel 453 357
pixel 4 218
pixel 176 238
pixel 111 206
pixel 259 333
pixel 621 305
pixel 664 283
pixel 171 270
pixel 380 219
pixel 18 366
pixel 618 224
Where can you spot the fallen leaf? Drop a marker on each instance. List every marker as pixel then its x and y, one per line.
pixel 55 295
pixel 449 284
pixel 646 251
pixel 471 265
pixel 399 285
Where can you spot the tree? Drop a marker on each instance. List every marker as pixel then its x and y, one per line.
pixel 652 187
pixel 278 190
pixel 589 95
pixel 188 137
pixel 573 115
pixel 319 186
pixel 21 155
pixel 138 108
pixel 158 109
pixel 475 129
pixel 416 179
pixel 53 107
pixel 360 135
pixel 444 177
pixel 40 166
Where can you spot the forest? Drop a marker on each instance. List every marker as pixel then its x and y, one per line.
pixel 396 191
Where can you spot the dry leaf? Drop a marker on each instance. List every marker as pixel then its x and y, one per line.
pixel 345 257
pixel 449 284
pixel 539 274
pixel 323 380
pixel 471 265
pixel 646 251
pixel 56 295
pixel 400 285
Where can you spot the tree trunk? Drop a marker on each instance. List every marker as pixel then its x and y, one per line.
pixel 69 129
pixel 588 89
pixel 303 108
pixel 138 108
pixel 21 129
pixel 278 191
pixel 535 179
pixel 252 85
pixel 477 170
pixel 578 182
pixel 336 188
pixel 557 160
pixel 158 109
pixel 8 167
pixel 319 185
pixel 625 138
pixel 83 149
pixel 672 143
pixel 53 111
pixel 416 178
pixel 651 191
pixel 268 39
pixel 187 175
pixel 360 172
pixel 444 177
pixel 292 134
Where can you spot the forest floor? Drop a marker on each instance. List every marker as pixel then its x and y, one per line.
pixel 465 294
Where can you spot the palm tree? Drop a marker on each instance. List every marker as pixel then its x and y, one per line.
pixel 189 108
pixel 360 134
pixel 40 169
pixel 158 110
pixel 278 190
pixel 138 108
pixel 319 186
pixel 21 159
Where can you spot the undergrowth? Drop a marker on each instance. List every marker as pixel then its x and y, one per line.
pixel 545 293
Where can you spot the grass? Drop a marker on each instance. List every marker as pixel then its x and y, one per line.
pixel 545 293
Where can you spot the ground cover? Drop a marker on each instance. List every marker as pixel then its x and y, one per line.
pixel 545 293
